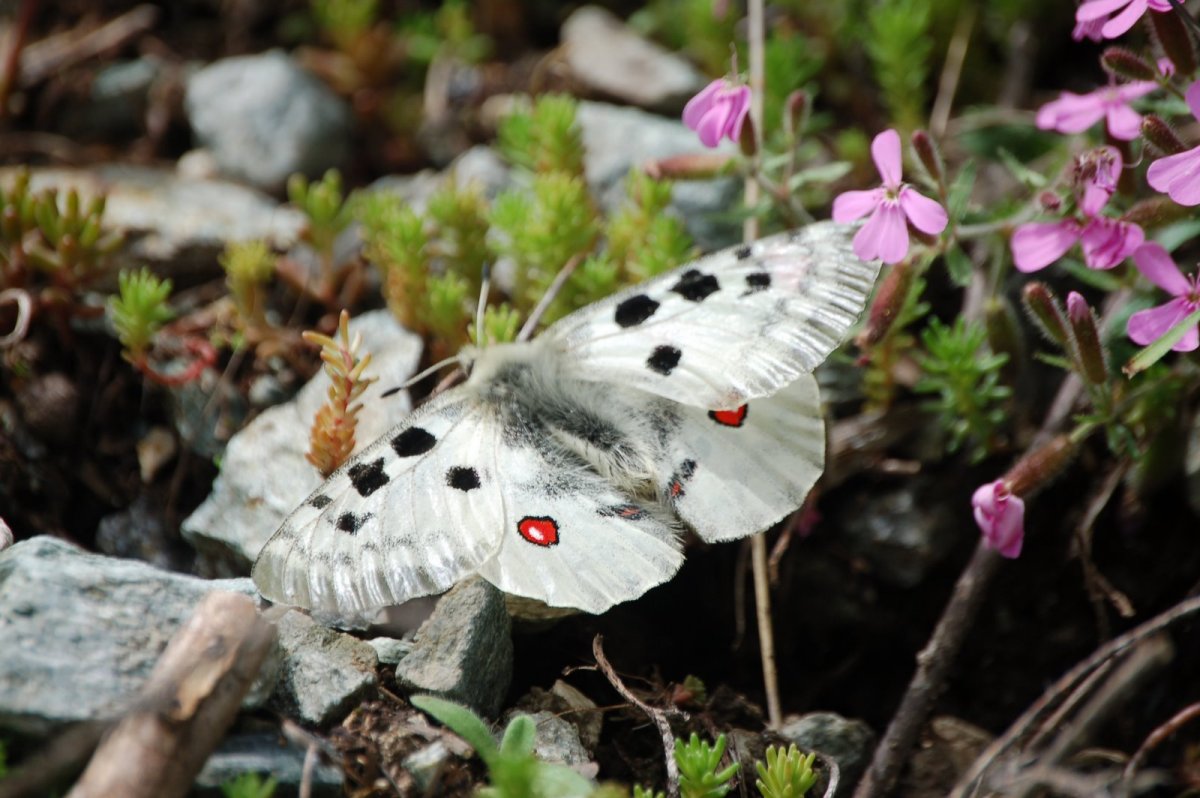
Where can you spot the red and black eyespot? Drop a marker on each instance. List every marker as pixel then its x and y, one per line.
pixel 538 530
pixel 676 485
pixel 730 418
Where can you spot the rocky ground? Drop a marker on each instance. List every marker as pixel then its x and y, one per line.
pixel 127 502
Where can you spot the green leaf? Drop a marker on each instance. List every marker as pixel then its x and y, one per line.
pixel 463 722
pixel 1096 278
pixel 959 193
pixel 519 737
pixel 959 266
pixel 1157 350
pixel 1029 178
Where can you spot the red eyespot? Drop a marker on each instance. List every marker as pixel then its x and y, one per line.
pixel 538 531
pixel 729 418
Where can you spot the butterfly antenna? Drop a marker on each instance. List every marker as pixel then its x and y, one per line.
pixel 539 310
pixel 485 286
pixel 413 380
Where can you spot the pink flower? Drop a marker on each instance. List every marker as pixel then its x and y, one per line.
pixel 1178 176
pixel 718 110
pixel 1088 30
pixel 1105 242
pixel 893 207
pixel 1001 517
pixel 1075 113
pixel 1147 326
pixel 1095 10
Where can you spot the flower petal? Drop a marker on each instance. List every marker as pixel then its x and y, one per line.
pixel 1178 176
pixel 1071 113
pixel 1193 98
pixel 711 126
pixel 1121 23
pixel 925 214
pixel 701 104
pixel 1107 242
pixel 1095 9
pixel 885 151
pixel 1038 244
pixel 851 205
pixel 1008 532
pixel 1156 265
pixel 1124 123
pixel 739 108
pixel 884 236
pixel 1147 326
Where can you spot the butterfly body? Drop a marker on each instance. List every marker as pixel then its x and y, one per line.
pixel 565 468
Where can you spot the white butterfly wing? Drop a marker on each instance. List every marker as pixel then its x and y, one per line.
pixel 588 547
pixel 732 473
pixel 410 515
pixel 729 327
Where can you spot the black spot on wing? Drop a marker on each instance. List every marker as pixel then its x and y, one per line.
pixel 320 501
pixel 743 252
pixel 463 478
pixel 758 281
pixel 412 442
pixel 630 512
pixel 635 310
pixel 351 523
pixel 695 286
pixel 663 359
pixel 367 477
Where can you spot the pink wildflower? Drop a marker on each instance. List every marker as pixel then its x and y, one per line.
pixel 1178 176
pixel 1147 326
pixel 1105 242
pixel 1075 113
pixel 1000 515
pixel 1116 23
pixel 1088 30
pixel 893 206
pixel 718 110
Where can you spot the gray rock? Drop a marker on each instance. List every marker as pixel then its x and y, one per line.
pixel 138 533
pixel 479 166
pixel 173 224
pixel 116 100
pixel 618 139
pixel 849 743
pixel 426 764
pixel 250 501
pixel 609 58
pixel 265 118
pixel 81 632
pixel 557 740
pixel 903 531
pixel 268 755
pixel 464 652
pixel 323 673
pixel 390 650
pixel 207 411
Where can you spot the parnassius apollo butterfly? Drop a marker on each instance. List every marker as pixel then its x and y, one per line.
pixel 563 468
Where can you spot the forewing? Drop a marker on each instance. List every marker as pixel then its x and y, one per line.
pixel 735 325
pixel 732 473
pixel 408 516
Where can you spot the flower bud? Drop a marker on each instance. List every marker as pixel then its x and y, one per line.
pixel 795 114
pixel 1120 62
pixel 689 166
pixel 889 300
pixel 1000 514
pixel 1039 467
pixel 1088 348
pixel 1160 134
pixel 1176 41
pixel 929 156
pixel 1050 201
pixel 748 141
pixel 1046 313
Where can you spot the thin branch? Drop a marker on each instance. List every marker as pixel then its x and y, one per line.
pixel 659 716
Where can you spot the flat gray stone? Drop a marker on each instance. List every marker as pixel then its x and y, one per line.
pixel 268 755
pixel 618 139
pixel 610 58
pixel 848 742
pixel 324 673
pixel 264 118
pixel 264 475
pixel 81 632
pixel 464 652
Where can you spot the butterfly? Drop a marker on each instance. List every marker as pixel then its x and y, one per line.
pixel 565 467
